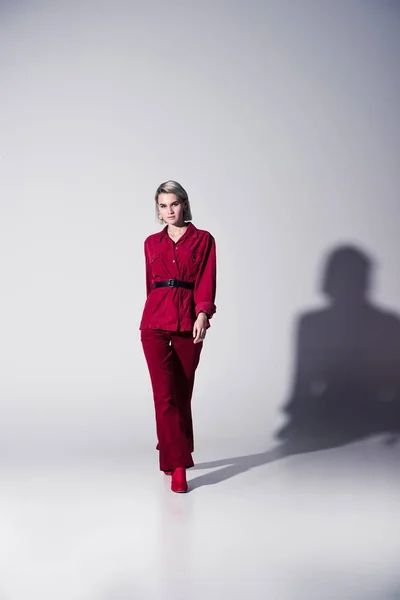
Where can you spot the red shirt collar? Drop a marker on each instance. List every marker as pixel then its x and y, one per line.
pixel 190 231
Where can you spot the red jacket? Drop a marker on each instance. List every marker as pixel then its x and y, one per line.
pixel 192 258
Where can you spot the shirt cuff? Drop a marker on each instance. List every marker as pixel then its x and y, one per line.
pixel 208 307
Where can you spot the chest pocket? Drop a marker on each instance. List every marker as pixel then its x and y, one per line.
pixel 155 264
pixel 189 261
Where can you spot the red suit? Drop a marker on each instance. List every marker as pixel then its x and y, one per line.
pixel 166 333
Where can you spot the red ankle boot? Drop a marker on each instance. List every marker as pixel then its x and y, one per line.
pixel 178 481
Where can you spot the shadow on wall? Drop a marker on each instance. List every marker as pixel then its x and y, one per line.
pixel 347 377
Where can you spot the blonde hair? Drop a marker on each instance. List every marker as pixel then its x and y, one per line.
pixel 173 187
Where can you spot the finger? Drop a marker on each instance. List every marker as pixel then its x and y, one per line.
pixel 198 337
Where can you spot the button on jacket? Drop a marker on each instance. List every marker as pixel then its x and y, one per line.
pixel 193 259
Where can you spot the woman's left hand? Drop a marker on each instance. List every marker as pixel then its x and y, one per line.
pixel 199 328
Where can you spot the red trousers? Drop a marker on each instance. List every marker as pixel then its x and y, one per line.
pixel 172 359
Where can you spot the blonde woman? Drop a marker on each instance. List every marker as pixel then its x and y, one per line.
pixel 181 286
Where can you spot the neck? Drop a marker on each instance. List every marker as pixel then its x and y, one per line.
pixel 177 229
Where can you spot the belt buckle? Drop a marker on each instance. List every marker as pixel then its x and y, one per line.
pixel 171 282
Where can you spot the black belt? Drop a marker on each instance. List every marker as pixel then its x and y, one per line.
pixel 174 283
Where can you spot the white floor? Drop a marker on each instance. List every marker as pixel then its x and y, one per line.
pixel 323 525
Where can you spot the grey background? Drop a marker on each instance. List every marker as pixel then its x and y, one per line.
pixel 281 121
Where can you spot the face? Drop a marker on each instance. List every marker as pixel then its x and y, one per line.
pixel 171 208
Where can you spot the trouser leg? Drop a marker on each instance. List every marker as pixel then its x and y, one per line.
pixel 185 360
pixel 173 443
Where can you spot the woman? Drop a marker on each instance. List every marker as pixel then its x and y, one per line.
pixel 181 286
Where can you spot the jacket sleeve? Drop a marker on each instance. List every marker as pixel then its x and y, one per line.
pixel 148 270
pixel 205 284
